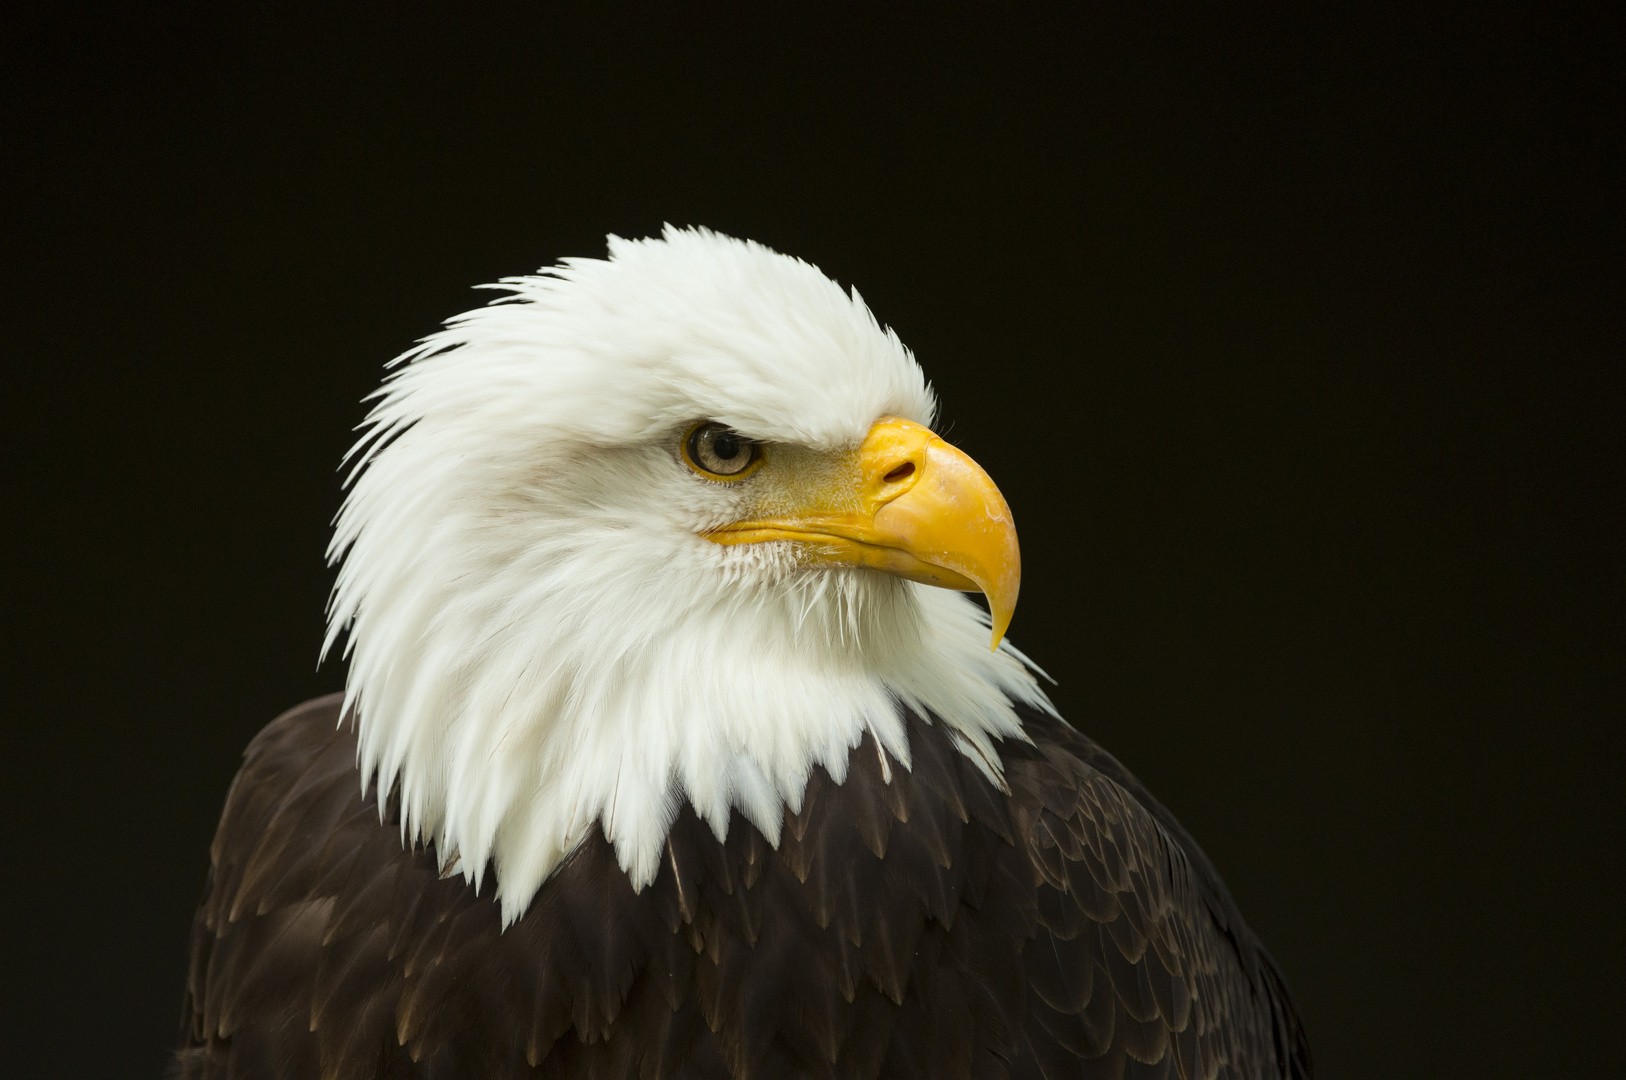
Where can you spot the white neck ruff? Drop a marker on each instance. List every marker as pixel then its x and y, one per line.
pixel 612 685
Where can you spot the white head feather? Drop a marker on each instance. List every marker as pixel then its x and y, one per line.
pixel 542 643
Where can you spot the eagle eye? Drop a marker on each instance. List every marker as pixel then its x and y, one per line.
pixel 720 452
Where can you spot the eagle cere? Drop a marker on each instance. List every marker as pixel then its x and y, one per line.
pixel 671 745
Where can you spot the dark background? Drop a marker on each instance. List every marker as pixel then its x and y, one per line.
pixel 1293 337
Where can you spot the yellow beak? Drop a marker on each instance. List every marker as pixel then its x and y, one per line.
pixel 911 505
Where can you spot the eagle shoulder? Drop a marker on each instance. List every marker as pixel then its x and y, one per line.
pixel 1139 952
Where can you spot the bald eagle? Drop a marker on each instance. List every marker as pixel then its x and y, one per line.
pixel 672 745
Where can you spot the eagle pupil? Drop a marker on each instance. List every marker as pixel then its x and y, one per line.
pixel 720 451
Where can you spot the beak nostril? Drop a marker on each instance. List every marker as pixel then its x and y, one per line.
pixel 902 472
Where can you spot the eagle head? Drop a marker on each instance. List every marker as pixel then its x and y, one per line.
pixel 668 526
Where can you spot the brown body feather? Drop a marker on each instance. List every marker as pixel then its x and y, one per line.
pixel 930 926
